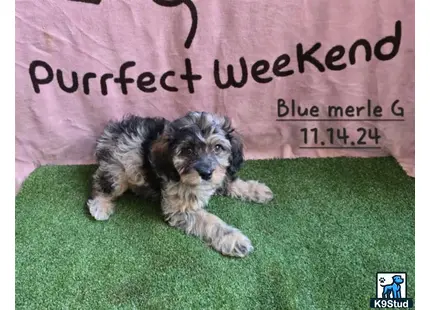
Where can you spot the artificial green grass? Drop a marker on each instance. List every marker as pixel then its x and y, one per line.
pixel 332 225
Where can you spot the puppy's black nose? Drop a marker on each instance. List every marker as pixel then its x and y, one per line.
pixel 205 167
pixel 205 172
pixel 206 175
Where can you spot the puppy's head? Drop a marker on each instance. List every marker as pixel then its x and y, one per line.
pixel 198 148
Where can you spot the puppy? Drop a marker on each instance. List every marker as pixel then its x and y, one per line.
pixel 183 163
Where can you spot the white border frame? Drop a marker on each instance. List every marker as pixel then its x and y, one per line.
pixel 422 107
pixel 7 224
pixel 422 112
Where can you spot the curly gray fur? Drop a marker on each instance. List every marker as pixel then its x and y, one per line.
pixel 184 163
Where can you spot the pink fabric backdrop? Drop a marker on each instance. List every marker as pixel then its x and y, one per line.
pixel 57 127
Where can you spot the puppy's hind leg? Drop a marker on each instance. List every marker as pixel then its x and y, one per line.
pixel 109 182
pixel 249 190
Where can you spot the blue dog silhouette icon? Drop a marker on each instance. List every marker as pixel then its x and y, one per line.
pixel 393 290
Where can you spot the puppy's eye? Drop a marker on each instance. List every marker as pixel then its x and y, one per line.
pixel 219 148
pixel 187 151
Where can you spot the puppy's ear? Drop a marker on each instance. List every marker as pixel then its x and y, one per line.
pixel 161 159
pixel 236 158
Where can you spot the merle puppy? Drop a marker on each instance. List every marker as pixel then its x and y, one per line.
pixel 184 163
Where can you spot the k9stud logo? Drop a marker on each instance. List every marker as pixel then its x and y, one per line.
pixel 391 291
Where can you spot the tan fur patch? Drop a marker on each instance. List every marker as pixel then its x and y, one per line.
pixel 192 178
pixel 136 179
pixel 234 244
pixel 218 176
pixel 250 190
pixel 100 207
pixel 180 197
pixel 159 146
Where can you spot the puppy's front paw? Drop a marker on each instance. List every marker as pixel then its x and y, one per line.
pixel 259 192
pixel 101 209
pixel 234 244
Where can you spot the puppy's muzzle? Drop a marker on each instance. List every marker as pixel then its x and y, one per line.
pixel 205 167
